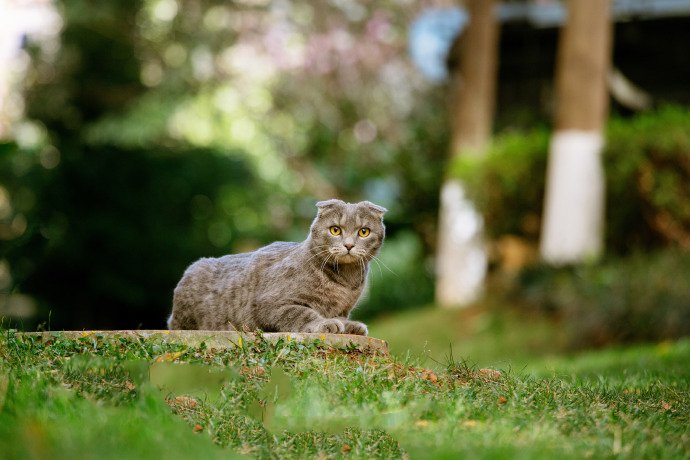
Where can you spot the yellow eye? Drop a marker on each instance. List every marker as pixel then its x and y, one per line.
pixel 335 230
pixel 364 232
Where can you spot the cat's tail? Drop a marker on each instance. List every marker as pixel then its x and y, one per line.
pixel 170 321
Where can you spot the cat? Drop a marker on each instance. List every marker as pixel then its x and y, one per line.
pixel 310 286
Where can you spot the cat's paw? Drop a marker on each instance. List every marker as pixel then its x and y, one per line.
pixel 355 327
pixel 326 325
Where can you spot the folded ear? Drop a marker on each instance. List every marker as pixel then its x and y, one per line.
pixel 323 205
pixel 376 209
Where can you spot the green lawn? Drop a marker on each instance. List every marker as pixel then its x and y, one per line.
pixel 125 398
pixel 487 338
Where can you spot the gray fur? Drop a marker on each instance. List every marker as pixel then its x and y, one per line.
pixel 286 287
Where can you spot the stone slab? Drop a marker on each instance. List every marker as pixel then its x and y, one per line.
pixel 221 339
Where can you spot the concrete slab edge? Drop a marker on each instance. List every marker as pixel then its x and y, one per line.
pixel 225 339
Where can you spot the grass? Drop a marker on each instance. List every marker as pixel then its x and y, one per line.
pixel 129 398
pixel 485 337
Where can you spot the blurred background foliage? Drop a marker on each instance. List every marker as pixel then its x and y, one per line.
pixel 160 131
pixel 640 291
pixel 647 167
pixel 641 297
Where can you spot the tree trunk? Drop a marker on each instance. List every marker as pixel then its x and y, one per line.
pixel 461 259
pixel 572 229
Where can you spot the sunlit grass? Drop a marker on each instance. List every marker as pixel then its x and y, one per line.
pixel 124 398
pixel 504 339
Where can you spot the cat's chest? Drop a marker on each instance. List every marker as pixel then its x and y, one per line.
pixel 330 292
pixel 337 299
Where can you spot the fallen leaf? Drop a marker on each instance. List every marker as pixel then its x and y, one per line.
pixel 502 400
pixel 429 375
pixel 184 402
pixel 253 371
pixel 129 385
pixel 169 356
pixel 469 423
pixel 492 374
pixel 665 406
pixel 421 423
pixel 198 428
pixel 346 448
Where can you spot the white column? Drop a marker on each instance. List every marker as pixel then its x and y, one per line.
pixel 574 206
pixel 461 260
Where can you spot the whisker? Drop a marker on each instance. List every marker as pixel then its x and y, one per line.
pixel 378 260
pixel 378 265
pixel 320 253
pixel 325 261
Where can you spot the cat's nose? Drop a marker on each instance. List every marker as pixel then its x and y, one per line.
pixel 348 246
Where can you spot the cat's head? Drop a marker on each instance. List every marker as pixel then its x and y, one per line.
pixel 347 232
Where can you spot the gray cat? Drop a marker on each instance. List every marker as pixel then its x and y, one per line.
pixel 287 287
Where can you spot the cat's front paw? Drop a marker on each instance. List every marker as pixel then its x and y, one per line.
pixel 355 327
pixel 326 325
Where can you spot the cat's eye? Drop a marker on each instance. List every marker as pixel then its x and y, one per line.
pixel 364 232
pixel 335 230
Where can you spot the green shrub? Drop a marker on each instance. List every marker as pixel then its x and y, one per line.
pixel 508 183
pixel 643 297
pixel 647 164
pixel 634 297
pixel 109 231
